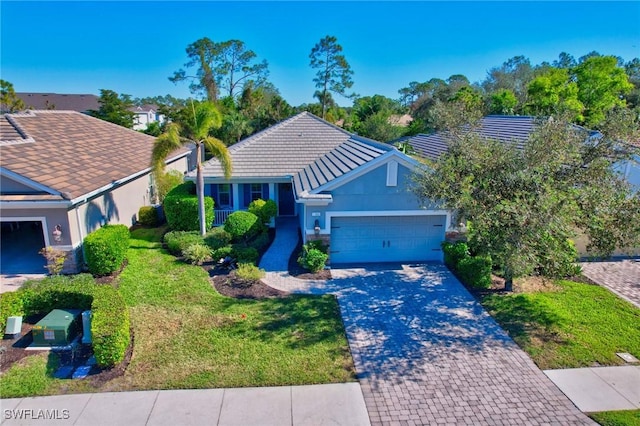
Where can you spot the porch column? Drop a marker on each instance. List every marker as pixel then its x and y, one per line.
pixel 272 192
pixel 236 196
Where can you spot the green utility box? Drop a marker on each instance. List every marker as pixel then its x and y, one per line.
pixel 58 328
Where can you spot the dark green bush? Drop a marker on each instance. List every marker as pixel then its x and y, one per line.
pixel 265 210
pixel 148 216
pixel 454 253
pixel 178 241
pixel 312 259
pixel 260 242
pixel 217 238
pixel 109 326
pixel 475 271
pixel 318 245
pixel 242 225
pixel 106 249
pixel 221 253
pixel 181 208
pixel 245 254
pixel 11 305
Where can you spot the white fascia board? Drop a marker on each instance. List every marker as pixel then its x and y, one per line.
pixel 27 182
pixel 366 168
pixel 14 205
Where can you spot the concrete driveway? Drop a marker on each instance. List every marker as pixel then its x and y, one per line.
pixel 426 352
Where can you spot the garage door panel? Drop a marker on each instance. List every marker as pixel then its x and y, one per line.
pixel 386 238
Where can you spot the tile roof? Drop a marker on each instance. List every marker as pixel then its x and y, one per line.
pixel 72 153
pixel 505 128
pixel 59 101
pixel 305 147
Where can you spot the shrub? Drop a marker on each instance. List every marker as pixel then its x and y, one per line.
pixel 318 245
pixel 106 249
pixel 222 252
pixel 312 258
pixel 557 257
pixel 197 254
pixel 245 254
pixel 181 208
pixel 249 272
pixel 242 225
pixel 57 292
pixel 265 210
pixel 217 238
pixel 178 241
pixel 260 242
pixel 148 216
pixel 109 326
pixel 11 305
pixel 454 253
pixel 166 182
pixel 55 259
pixel 475 271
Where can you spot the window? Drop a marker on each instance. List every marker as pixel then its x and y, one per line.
pixel 256 191
pixel 224 195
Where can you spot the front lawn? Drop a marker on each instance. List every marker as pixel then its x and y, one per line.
pixel 617 418
pixel 187 335
pixel 577 325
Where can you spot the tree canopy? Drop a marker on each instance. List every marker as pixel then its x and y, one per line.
pixel 334 72
pixel 525 204
pixel 115 108
pixel 9 101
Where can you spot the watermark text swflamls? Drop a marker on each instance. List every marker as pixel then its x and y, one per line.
pixel 31 414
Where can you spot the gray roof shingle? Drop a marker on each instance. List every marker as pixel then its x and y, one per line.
pixel 305 147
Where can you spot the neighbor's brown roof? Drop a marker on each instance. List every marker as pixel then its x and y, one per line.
pixel 72 153
pixel 59 101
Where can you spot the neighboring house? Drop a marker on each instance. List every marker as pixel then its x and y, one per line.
pixel 145 115
pixel 351 192
pixel 517 129
pixel 64 174
pixel 60 102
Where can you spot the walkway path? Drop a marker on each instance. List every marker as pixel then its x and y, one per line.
pixel 621 277
pixel 334 404
pixel 427 352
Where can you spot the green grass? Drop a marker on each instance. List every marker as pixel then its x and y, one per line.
pixel 579 325
pixel 187 335
pixel 617 418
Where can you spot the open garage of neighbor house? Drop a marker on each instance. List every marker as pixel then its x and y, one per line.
pixel 21 240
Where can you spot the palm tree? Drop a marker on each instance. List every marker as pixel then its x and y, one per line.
pixel 199 119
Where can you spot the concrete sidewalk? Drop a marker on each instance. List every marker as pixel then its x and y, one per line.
pixel 334 404
pixel 600 388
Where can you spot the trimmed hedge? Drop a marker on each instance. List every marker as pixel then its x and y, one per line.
pixel 110 326
pixel 245 254
pixel 11 305
pixel 265 210
pixel 148 216
pixel 110 317
pixel 106 249
pixel 181 208
pixel 474 271
pixel 242 225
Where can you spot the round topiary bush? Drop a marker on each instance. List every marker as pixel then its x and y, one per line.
pixel 242 225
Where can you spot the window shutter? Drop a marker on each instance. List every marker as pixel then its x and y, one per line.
pixel 247 194
pixel 265 191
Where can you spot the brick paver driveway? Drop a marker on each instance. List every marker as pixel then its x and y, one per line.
pixel 427 353
pixel 622 277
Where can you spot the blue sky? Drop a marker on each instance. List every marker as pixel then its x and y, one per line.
pixel 132 47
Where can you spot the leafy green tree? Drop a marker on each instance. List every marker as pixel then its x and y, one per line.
pixel 199 119
pixel 115 108
pixel 514 75
pixel 632 69
pixel 225 65
pixel 565 60
pixel 9 101
pixel 516 199
pixel 334 72
pixel 503 102
pixel 553 92
pixel 602 85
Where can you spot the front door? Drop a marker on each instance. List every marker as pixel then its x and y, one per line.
pixel 286 203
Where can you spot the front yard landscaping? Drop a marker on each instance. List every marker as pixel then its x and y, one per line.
pixel 568 324
pixel 188 335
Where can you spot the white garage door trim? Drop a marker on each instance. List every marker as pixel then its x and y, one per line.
pixel 41 219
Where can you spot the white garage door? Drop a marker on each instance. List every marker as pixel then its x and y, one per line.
pixel 387 239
